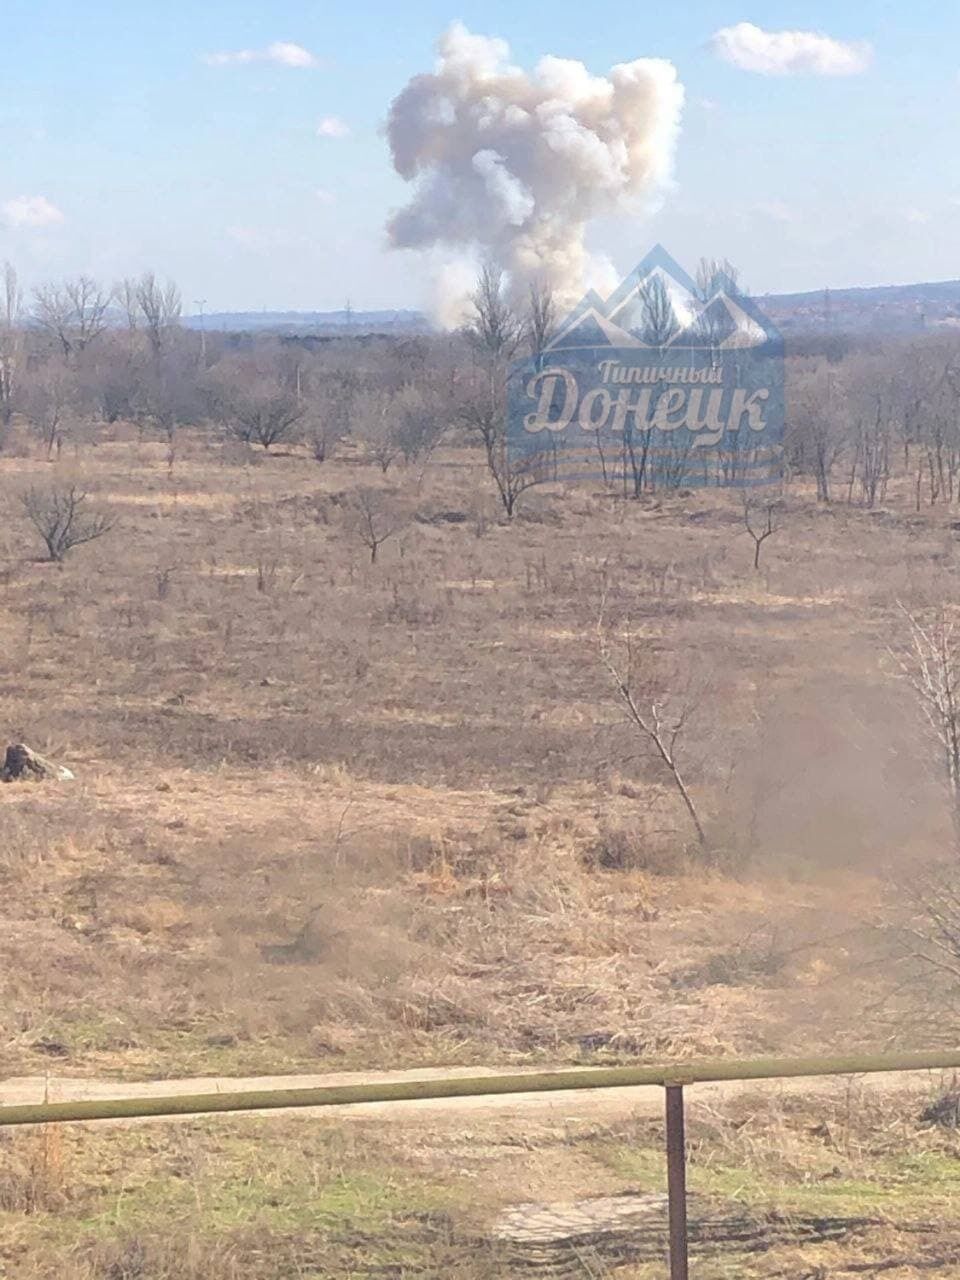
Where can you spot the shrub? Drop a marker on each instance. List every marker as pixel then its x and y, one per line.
pixel 62 519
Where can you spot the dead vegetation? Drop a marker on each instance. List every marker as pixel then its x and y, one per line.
pixel 264 719
pixel 357 784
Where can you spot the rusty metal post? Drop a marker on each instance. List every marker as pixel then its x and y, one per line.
pixel 677 1182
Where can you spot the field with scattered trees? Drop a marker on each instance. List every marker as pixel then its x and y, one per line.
pixel 389 752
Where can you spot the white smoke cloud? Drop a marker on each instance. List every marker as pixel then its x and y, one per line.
pixel 30 211
pixel 281 53
pixel 786 53
pixel 512 166
pixel 332 127
pixel 450 284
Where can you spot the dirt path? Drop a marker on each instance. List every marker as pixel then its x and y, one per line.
pixel 563 1105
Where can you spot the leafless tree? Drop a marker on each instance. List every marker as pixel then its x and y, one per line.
pixel 52 398
pixel 374 423
pixel 420 418
pixel 658 319
pixel 407 363
pixel 934 926
pixel 112 376
pixel 709 269
pixel 817 408
pixel 872 453
pixel 871 398
pixel 658 714
pixel 374 516
pixel 63 520
pixel 925 397
pixel 253 399
pixel 929 659
pixel 495 332
pixel 73 313
pixel 11 341
pixel 494 328
pixel 125 296
pixel 167 395
pixel 759 526
pixel 541 320
pixel 657 325
pixel 160 306
pixel 328 396
pixel 484 413
pixel 712 324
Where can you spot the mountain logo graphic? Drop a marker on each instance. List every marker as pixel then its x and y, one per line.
pixel 661 385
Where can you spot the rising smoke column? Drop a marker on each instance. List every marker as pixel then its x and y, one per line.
pixel 512 166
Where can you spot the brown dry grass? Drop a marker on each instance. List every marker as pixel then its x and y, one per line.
pixel 335 812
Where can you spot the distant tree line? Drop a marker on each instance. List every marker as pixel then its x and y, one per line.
pixel 77 353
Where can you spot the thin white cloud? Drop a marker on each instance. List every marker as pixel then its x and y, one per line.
pixel 30 211
pixel 790 53
pixel 332 127
pixel 325 197
pixel 282 53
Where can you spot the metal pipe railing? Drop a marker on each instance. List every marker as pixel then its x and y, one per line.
pixel 417 1090
pixel 672 1077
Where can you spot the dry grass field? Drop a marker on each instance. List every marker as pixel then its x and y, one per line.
pixel 333 813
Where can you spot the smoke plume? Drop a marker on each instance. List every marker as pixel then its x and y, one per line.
pixel 510 166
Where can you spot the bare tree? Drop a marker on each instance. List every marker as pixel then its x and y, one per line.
pixel 759 527
pixel 817 407
pixel 73 313
pixel 420 419
pixel 495 332
pixel 373 422
pixel 167 394
pixel 541 321
pixel 374 516
pixel 53 312
pixel 657 325
pixel 125 296
pixel 872 398
pixel 328 396
pixel 112 377
pixel 709 270
pixel 254 400
pixel 929 659
pixel 934 930
pixel 872 453
pixel 52 397
pixel 484 413
pixel 160 306
pixel 658 319
pixel 924 397
pixel 494 328
pixel 659 716
pixel 11 340
pixel 62 519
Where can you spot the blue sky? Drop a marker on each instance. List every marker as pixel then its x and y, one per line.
pixel 124 148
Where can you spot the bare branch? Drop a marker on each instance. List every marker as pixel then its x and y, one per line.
pixel 661 730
